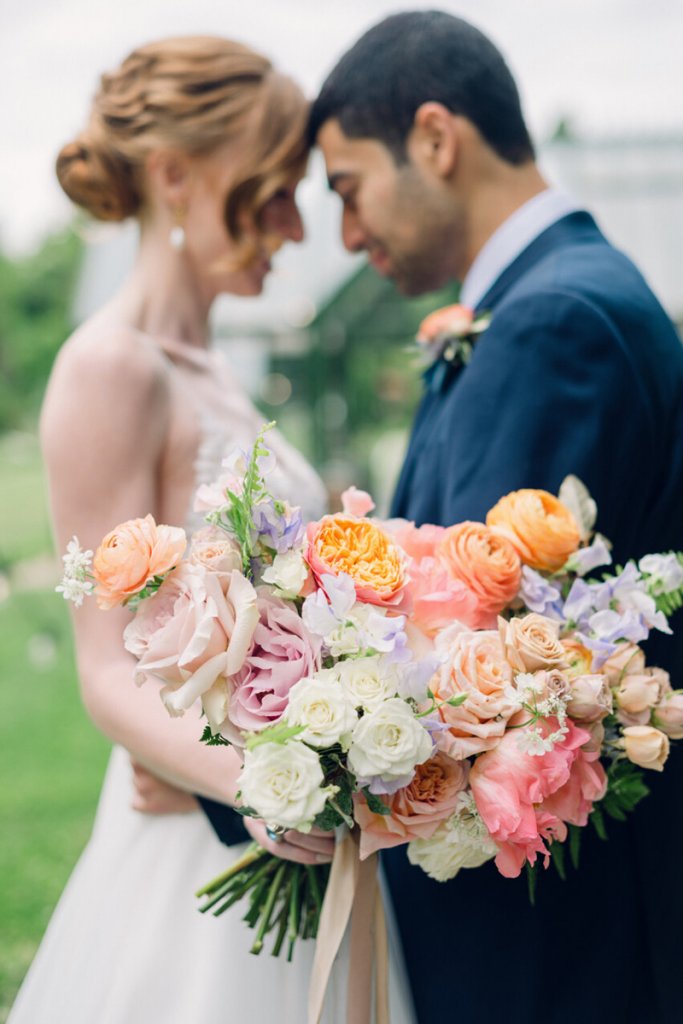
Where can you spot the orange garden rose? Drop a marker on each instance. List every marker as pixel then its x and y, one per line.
pixel 131 555
pixel 358 547
pixel 485 562
pixel 417 810
pixel 542 529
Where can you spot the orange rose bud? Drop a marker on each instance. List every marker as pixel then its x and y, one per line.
pixel 484 561
pixel 542 529
pixel 131 555
pixel 359 548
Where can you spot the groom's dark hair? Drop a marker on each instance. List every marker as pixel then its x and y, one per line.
pixel 413 58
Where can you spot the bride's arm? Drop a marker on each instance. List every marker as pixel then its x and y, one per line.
pixel 104 426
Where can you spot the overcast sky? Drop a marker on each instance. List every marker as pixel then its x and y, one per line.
pixel 614 66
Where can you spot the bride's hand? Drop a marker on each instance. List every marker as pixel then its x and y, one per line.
pixel 154 796
pixel 314 847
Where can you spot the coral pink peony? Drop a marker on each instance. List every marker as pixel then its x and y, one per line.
pixel 525 800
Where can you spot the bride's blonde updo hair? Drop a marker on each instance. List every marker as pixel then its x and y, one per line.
pixel 193 94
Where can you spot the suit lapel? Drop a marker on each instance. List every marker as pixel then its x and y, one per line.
pixel 573 228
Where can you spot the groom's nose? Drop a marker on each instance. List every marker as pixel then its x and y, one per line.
pixel 353 235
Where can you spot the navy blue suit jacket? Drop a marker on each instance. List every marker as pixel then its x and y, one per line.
pixel 580 371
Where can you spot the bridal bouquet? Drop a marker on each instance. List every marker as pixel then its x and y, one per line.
pixel 476 692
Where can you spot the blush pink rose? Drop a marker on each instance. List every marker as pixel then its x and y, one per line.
pixel 282 652
pixel 192 634
pixel 512 789
pixel 417 810
pixel 474 665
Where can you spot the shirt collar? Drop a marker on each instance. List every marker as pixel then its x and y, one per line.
pixel 511 239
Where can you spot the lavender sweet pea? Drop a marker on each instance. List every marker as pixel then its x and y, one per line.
pixel 278 526
pixel 539 595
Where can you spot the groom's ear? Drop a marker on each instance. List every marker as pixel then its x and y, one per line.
pixel 433 142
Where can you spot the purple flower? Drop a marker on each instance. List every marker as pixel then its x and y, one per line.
pixel 586 559
pixel 278 525
pixel 539 595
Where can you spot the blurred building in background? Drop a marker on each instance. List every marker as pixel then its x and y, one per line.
pixel 327 349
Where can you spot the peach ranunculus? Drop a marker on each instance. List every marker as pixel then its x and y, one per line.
pixel 417 810
pixel 360 548
pixel 438 598
pixel 194 634
pixel 132 555
pixel 513 791
pixel 475 665
pixel 531 642
pixel 486 563
pixel 542 529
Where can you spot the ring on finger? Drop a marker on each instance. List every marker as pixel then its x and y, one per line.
pixel 275 833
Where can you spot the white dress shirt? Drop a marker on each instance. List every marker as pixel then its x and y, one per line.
pixel 512 238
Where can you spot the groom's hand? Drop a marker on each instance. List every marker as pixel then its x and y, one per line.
pixel 314 847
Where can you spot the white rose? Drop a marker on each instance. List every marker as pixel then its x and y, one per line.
pixel 389 742
pixel 367 682
pixel 323 708
pixel 287 574
pixel 283 783
pixel 461 842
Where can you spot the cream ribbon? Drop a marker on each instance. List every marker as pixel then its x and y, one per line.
pixel 352 893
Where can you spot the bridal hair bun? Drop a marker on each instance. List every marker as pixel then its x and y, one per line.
pixel 100 182
pixel 192 94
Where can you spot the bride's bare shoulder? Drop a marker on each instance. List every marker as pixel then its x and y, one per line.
pixel 103 370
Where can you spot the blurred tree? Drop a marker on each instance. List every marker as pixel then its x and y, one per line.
pixel 35 317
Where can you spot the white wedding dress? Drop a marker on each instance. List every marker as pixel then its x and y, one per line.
pixel 126 943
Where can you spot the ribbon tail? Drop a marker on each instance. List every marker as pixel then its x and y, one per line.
pixel 334 917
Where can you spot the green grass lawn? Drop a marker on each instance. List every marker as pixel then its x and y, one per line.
pixel 51 757
pixel 51 765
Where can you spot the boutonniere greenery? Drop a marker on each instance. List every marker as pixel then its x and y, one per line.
pixel 450 333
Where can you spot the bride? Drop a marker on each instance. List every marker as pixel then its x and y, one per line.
pixel 202 141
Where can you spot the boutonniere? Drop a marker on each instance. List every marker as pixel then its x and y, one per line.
pixel 450 333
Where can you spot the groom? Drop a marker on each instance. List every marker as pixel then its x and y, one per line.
pixel 580 371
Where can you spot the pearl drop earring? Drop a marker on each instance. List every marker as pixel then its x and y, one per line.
pixel 177 235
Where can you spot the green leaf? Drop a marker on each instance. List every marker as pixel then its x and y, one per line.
pixel 278 733
pixel 598 822
pixel 328 819
pixel 213 739
pixel 375 803
pixel 574 845
pixel 557 857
